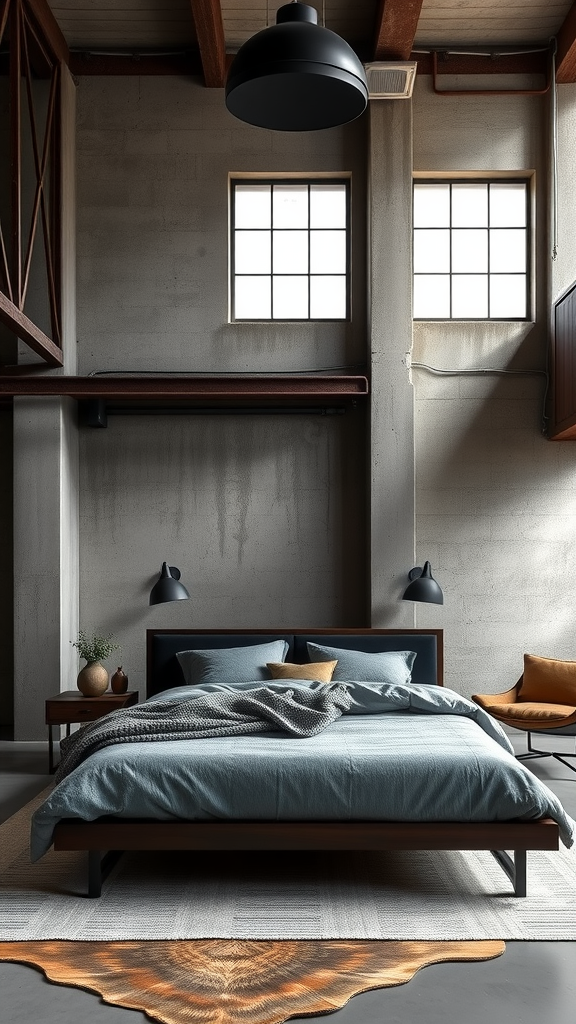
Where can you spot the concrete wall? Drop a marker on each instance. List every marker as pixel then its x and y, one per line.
pixel 264 515
pixel 495 499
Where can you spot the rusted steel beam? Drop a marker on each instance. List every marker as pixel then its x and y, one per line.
pixel 187 387
pixel 17 322
pixel 396 25
pixel 475 64
pixel 15 143
pixel 48 28
pixel 209 26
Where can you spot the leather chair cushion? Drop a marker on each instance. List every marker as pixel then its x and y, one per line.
pixel 528 712
pixel 548 680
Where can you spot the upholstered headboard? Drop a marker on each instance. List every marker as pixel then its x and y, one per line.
pixel 163 670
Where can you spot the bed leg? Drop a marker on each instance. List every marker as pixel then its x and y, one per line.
pixel 99 868
pixel 514 867
pixel 94 874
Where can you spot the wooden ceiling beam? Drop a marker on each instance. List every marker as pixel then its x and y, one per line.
pixel 396 26
pixel 209 26
pixel 566 52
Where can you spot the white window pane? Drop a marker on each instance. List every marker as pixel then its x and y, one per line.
pixel 431 206
pixel 252 252
pixel 470 296
pixel 508 250
pixel 431 251
pixel 252 298
pixel 290 252
pixel 431 296
pixel 508 296
pixel 508 205
pixel 328 252
pixel 290 206
pixel 469 206
pixel 469 251
pixel 328 298
pixel 252 206
pixel 327 206
pixel 290 298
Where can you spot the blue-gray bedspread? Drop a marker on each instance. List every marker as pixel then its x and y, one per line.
pixel 399 753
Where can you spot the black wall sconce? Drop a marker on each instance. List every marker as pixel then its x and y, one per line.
pixel 423 586
pixel 168 587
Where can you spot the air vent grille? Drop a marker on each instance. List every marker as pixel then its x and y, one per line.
pixel 391 81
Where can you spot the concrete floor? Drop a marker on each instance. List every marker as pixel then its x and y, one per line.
pixel 531 983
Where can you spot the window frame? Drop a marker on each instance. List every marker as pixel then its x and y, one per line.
pixel 273 180
pixel 493 178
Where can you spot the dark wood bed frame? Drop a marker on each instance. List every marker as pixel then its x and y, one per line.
pixel 117 835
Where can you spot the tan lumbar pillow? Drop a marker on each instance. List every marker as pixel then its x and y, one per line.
pixel 320 670
pixel 548 680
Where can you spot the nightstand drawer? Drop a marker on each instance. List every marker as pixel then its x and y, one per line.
pixel 61 714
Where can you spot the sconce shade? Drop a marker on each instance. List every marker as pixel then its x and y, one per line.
pixel 167 587
pixel 423 586
pixel 296 76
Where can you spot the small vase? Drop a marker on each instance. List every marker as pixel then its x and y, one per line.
pixel 93 679
pixel 119 681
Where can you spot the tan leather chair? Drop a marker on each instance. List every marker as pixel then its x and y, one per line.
pixel 543 701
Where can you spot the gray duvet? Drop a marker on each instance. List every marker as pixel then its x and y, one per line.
pixel 398 753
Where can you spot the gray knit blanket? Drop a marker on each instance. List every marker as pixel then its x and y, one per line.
pixel 301 713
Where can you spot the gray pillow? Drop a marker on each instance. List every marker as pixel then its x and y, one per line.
pixel 231 664
pixel 383 667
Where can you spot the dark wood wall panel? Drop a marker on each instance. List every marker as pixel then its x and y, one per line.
pixel 564 368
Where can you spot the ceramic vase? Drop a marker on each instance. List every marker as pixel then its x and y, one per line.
pixel 119 681
pixel 93 679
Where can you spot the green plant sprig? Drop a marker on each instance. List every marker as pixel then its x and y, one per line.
pixel 96 647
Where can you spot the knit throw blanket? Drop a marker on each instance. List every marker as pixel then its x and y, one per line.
pixel 301 713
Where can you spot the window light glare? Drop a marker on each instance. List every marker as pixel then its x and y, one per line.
pixel 252 252
pixel 470 296
pixel 327 252
pixel 431 251
pixel 508 250
pixel 431 206
pixel 290 252
pixel 328 298
pixel 470 251
pixel 508 296
pixel 327 206
pixel 470 206
pixel 290 298
pixel 432 296
pixel 252 299
pixel 252 206
pixel 290 206
pixel 508 205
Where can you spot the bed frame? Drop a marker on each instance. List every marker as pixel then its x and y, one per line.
pixel 117 835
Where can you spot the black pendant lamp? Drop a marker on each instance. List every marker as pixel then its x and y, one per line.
pixel 296 76
pixel 167 587
pixel 423 586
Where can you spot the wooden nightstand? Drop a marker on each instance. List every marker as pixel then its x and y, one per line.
pixel 71 706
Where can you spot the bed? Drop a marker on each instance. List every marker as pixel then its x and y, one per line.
pixel 508 839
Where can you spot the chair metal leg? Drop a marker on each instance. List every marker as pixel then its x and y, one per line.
pixel 535 752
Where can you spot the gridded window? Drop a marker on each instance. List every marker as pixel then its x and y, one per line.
pixel 471 250
pixel 290 250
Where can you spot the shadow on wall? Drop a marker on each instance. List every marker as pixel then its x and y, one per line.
pixel 496 514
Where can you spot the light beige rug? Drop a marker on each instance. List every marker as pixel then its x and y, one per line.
pixel 420 896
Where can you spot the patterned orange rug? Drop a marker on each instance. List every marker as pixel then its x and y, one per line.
pixel 235 981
